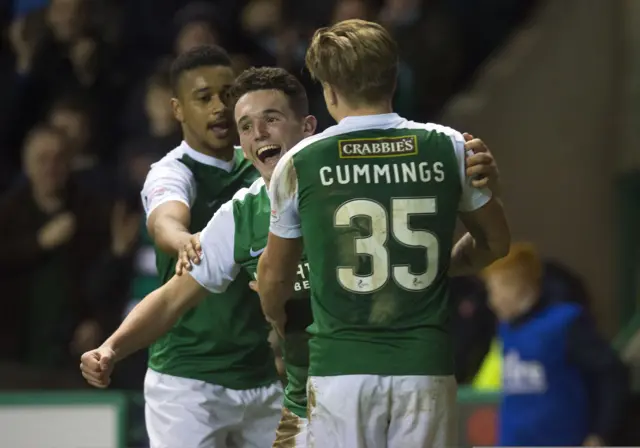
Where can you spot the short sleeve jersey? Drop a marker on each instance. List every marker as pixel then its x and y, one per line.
pixel 232 243
pixel 375 199
pixel 223 340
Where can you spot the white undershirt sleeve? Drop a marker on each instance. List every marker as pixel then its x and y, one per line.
pixel 168 181
pixel 283 193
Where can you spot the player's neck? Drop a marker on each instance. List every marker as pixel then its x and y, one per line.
pixel 361 111
pixel 224 154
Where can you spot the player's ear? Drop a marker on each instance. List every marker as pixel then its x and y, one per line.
pixel 309 124
pixel 177 110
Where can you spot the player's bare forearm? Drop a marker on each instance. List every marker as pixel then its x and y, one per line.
pixel 488 239
pixel 168 225
pixel 468 257
pixel 274 289
pixel 276 274
pixel 155 315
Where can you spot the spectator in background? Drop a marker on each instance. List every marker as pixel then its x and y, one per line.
pixel 72 117
pixel 162 125
pixel 429 44
pixel 53 232
pixel 353 9
pixel 280 41
pixel 76 119
pixel 562 384
pixel 157 128
pixel 478 355
pixel 196 25
pixel 23 99
pixel 56 50
pixel 148 119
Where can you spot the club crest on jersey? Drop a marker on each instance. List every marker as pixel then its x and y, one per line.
pixel 361 148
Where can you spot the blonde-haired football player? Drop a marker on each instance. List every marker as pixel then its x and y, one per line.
pixel 375 199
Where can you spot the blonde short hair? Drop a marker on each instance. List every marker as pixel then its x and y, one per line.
pixel 359 59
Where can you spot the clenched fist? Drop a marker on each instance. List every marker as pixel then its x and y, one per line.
pixel 97 365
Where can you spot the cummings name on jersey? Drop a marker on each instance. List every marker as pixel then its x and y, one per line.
pixel 388 173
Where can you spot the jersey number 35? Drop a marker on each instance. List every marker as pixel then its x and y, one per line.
pixel 375 245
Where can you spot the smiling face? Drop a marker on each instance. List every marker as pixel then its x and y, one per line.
pixel 269 127
pixel 206 121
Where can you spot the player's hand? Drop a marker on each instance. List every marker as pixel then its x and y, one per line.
pixel 481 165
pixel 125 229
pixel 57 231
pixel 593 440
pixel 190 253
pixel 97 365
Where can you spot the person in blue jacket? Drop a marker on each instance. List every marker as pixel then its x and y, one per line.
pixel 562 383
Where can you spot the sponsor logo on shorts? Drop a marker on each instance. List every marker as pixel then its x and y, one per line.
pixel 362 148
pixel 275 217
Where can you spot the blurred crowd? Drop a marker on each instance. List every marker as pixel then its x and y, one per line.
pixel 85 110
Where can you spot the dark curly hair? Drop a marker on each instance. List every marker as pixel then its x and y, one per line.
pixel 270 78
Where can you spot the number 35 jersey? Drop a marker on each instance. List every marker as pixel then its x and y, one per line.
pixel 233 241
pixel 375 199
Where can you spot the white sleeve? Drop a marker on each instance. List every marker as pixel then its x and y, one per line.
pixel 169 181
pixel 283 193
pixel 217 266
pixel 472 198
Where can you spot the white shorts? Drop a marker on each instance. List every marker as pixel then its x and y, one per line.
pixel 291 432
pixel 186 413
pixel 370 411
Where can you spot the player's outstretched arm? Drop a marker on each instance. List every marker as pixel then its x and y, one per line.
pixel 149 320
pixel 168 225
pixel 487 240
pixel 167 195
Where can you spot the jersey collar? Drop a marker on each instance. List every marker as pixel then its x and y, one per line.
pixel 380 120
pixel 207 159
